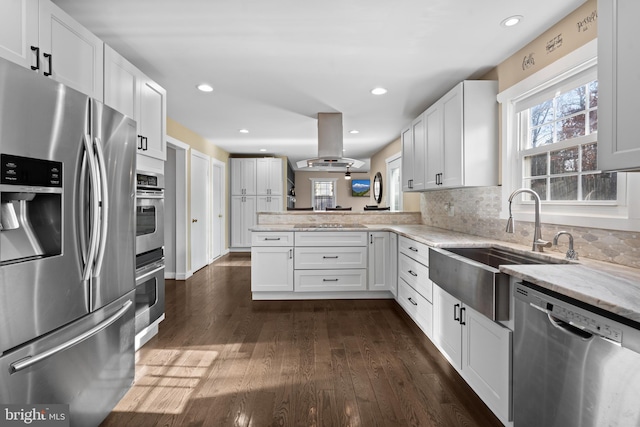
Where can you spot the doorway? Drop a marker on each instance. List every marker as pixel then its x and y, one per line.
pixel 200 179
pixel 218 208
pixel 394 182
pixel 176 210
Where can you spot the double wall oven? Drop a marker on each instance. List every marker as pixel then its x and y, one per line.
pixel 149 295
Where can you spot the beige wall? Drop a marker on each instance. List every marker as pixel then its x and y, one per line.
pixel 410 201
pixel 198 143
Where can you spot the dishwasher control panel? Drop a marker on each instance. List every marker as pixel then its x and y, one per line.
pixel 576 316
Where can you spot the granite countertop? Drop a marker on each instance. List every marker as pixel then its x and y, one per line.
pixel 611 287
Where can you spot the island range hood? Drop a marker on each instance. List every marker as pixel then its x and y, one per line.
pixel 330 145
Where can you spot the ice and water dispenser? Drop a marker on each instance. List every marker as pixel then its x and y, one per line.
pixel 31 208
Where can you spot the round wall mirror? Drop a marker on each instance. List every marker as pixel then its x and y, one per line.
pixel 377 187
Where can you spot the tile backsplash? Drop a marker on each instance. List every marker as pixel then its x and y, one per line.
pixel 477 211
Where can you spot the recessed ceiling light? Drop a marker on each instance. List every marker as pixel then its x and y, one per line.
pixel 378 91
pixel 262 150
pixel 204 87
pixel 511 21
pixel 354 131
pixel 244 131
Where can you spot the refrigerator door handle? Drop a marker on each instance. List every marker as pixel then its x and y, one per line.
pixel 104 206
pixel 32 360
pixel 95 213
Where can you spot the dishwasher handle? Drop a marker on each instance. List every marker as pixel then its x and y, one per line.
pixel 569 328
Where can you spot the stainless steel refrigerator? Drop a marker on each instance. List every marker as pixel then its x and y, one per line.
pixel 67 256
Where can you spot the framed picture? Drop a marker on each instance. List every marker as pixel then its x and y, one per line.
pixel 360 187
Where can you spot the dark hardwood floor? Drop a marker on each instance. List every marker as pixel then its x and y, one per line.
pixel 221 359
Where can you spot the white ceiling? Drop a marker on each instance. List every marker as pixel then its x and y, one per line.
pixel 275 64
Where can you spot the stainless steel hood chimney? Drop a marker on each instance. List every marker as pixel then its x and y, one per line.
pixel 330 145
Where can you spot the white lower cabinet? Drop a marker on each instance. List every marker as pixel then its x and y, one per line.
pixel 379 267
pixel 243 217
pixel 271 261
pixel 393 263
pixel 416 306
pixel 477 347
pixel 330 280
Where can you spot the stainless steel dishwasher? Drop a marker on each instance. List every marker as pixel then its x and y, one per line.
pixel 574 364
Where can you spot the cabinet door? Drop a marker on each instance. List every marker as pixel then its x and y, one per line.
pixel 619 81
pixel 243 217
pixel 276 182
pixel 269 177
pixel 76 54
pixel 407 159
pixel 243 176
pixel 269 204
pixel 433 125
pixel 452 125
pixel 271 269
pixel 19 31
pixel 120 83
pixel 447 332
pixel 379 259
pixel 152 118
pixel 419 151
pixel 486 361
pixel 393 263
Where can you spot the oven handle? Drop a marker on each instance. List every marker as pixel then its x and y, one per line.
pixel 149 273
pixel 32 360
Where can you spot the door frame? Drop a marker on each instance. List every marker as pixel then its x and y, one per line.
pixel 218 188
pixel 180 251
pixel 207 205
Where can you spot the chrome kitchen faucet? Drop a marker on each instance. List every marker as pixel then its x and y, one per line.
pixel 571 253
pixel 538 243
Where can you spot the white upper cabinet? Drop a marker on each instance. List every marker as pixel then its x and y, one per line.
pixel 619 84
pixel 131 92
pixel 462 137
pixel 19 31
pixel 413 155
pixel 269 176
pixel 42 37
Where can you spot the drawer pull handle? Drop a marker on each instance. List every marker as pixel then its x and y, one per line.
pixel 462 316
pixel 330 257
pixel 271 238
pixel 411 248
pixel 329 280
pixel 412 301
pixel 412 273
pixel 456 316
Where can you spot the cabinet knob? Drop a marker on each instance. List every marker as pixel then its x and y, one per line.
pixel 194 220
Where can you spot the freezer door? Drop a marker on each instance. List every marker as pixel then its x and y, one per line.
pixel 91 375
pixel 42 119
pixel 114 142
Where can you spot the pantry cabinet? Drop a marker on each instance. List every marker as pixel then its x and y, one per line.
pixel 462 137
pixel 477 347
pixel 243 218
pixel 130 91
pixel 40 36
pixel 619 85
pixel 269 172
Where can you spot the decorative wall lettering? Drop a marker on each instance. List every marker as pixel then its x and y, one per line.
pixel 528 62
pixel 587 22
pixel 554 43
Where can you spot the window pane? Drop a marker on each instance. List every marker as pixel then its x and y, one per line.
pixel 537 185
pixel 542 135
pixel 590 157
pixel 571 102
pixel 593 121
pixel 571 127
pixel 593 94
pixel 564 188
pixel 542 113
pixel 564 161
pixel 535 165
pixel 602 186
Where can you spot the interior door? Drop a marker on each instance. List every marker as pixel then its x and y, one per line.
pixel 218 208
pixel 199 201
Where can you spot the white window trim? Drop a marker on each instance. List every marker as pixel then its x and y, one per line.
pixel 313 186
pixel 623 216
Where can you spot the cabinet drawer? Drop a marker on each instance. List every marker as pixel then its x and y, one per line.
pixel 330 280
pixel 416 275
pixel 331 238
pixel 330 258
pixel 420 310
pixel 416 250
pixel 272 238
